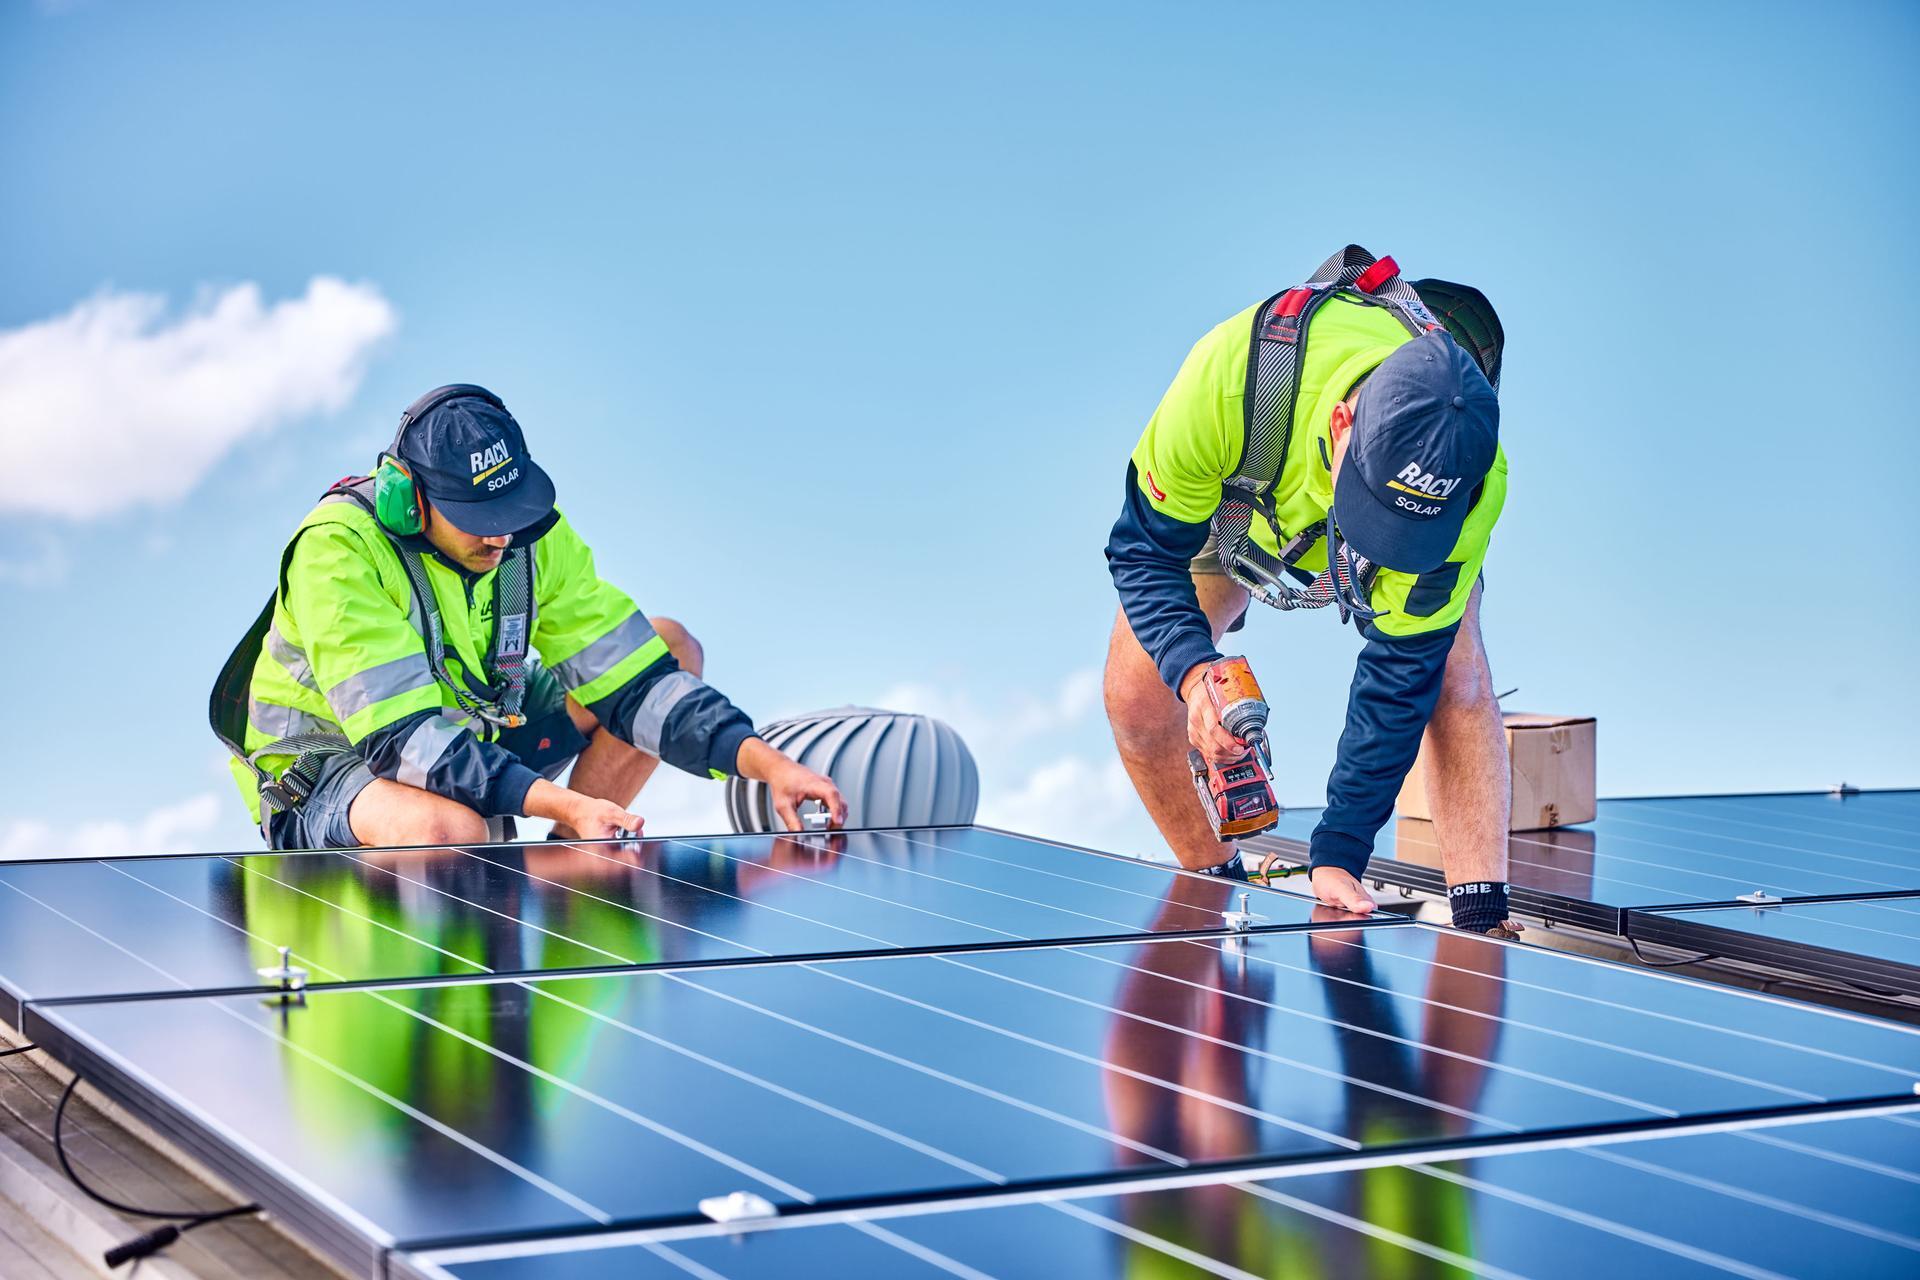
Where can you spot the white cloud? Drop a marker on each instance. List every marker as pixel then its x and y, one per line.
pixel 1078 799
pixel 1047 764
pixel 175 828
pixel 115 405
pixel 1010 725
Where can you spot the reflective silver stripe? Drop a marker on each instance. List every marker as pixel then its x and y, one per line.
pixel 376 684
pixel 650 721
pixel 606 653
pixel 430 740
pixel 279 721
pixel 291 656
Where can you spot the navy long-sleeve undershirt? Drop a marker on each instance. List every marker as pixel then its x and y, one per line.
pixel 1396 680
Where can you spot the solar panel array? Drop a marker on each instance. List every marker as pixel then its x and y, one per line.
pixel 954 1049
pixel 1673 851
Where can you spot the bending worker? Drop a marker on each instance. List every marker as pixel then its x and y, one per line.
pixel 389 693
pixel 1335 445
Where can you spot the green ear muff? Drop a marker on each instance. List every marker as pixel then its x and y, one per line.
pixel 396 500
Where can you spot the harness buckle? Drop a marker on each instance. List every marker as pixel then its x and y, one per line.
pixel 295 786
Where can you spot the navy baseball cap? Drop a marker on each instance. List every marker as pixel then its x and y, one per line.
pixel 470 458
pixel 1425 429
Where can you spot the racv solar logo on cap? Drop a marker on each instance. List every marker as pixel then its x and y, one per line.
pixel 1427 490
pixel 486 464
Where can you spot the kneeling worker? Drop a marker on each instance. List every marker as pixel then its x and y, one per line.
pixel 1335 445
pixel 389 694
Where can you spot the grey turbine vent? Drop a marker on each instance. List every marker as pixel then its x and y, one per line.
pixel 895 769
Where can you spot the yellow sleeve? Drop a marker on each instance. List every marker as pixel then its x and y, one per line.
pixel 1192 442
pixel 1417 604
pixel 365 656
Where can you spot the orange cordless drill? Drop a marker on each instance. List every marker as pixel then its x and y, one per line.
pixel 1238 797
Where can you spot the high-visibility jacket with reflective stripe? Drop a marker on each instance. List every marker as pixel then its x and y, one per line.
pixel 1190 447
pixel 345 655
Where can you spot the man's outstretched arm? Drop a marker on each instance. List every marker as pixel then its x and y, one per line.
pixel 607 655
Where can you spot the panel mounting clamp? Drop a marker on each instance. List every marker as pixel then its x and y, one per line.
pixel 1241 918
pixel 288 977
pixel 738 1206
pixel 1758 898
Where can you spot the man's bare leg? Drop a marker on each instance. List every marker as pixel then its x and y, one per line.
pixel 1469 777
pixel 393 813
pixel 1150 729
pixel 610 769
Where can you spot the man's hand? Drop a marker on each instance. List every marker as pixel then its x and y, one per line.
pixel 593 819
pixel 1338 888
pixel 793 784
pixel 578 817
pixel 790 784
pixel 1204 730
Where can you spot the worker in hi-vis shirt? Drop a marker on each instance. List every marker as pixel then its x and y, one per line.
pixel 439 648
pixel 1335 445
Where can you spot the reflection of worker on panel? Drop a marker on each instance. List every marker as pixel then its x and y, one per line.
pixel 466 912
pixel 1202 1016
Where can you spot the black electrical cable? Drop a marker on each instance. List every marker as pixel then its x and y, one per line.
pixel 25 1048
pixel 183 1220
pixel 1668 964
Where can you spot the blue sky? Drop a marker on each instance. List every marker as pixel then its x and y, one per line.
pixel 836 323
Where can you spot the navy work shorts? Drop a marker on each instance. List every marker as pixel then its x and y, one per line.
pixel 547 743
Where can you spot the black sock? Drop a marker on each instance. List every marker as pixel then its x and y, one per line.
pixel 1478 905
pixel 1231 869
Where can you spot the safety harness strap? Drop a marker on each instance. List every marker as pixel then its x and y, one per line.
pixel 502 701
pixel 1275 358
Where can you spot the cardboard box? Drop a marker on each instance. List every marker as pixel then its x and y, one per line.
pixel 1553 763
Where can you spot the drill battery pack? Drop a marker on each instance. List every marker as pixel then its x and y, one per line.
pixel 1238 797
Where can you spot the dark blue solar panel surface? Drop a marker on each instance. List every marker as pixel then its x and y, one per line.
pixel 1829 1198
pixel 1681 850
pixel 472 1109
pixel 96 928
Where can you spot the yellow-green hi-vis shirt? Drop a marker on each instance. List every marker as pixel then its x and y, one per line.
pixel 1191 447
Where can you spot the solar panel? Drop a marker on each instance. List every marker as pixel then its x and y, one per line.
pixel 1868 942
pixel 484 1110
pixel 139 925
pixel 1835 1197
pixel 1686 850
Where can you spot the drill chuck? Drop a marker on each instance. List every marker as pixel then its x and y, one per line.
pixel 1246 720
